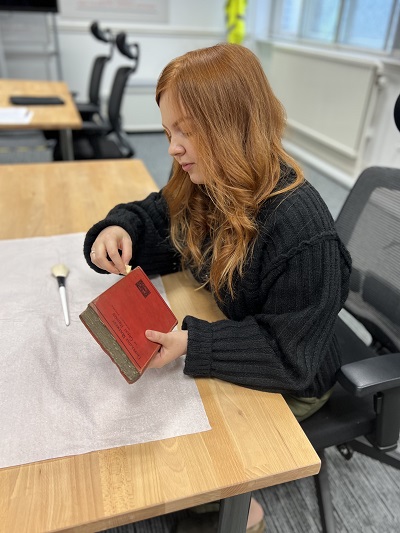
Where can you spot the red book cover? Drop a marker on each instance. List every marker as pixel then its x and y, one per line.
pixel 119 317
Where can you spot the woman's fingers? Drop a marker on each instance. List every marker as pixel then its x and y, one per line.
pixel 126 248
pixel 98 256
pixel 112 249
pixel 106 248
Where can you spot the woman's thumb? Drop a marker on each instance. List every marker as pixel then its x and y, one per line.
pixel 154 336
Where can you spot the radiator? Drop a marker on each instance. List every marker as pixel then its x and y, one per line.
pixel 329 100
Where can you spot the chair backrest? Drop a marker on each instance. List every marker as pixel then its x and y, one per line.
pixel 99 62
pixel 95 79
pixel 369 225
pixel 117 92
pixel 120 80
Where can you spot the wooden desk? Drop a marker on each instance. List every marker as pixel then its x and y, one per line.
pixel 46 117
pixel 255 441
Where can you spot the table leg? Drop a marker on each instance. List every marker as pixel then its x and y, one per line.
pixel 67 146
pixel 233 514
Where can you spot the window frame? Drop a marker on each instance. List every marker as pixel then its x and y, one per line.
pixel 391 38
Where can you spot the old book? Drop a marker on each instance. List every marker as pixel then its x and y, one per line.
pixel 119 317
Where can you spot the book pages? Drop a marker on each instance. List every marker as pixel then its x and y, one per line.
pixel 60 394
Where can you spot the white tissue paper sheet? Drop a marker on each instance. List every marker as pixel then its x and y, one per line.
pixel 60 394
pixel 15 115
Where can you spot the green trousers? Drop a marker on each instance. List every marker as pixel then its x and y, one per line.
pixel 302 408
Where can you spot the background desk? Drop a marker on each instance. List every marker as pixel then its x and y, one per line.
pixel 255 441
pixel 46 117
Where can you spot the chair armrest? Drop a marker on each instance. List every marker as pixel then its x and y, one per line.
pixel 372 375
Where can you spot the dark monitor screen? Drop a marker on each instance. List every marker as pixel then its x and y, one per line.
pixel 29 5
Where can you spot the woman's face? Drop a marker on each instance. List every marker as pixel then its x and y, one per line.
pixel 178 129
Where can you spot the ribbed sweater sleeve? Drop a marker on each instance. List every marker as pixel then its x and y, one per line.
pixel 284 346
pixel 147 223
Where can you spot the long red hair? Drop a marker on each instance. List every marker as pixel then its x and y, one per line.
pixel 238 125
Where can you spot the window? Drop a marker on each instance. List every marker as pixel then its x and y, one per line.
pixel 288 14
pixel 320 20
pixel 367 24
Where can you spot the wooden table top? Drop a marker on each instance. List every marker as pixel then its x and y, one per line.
pixel 255 441
pixel 50 117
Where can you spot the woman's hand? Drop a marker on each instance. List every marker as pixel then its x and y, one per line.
pixel 109 242
pixel 173 345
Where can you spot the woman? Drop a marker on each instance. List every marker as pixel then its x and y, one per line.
pixel 239 214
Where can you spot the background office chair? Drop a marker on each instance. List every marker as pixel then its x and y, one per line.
pixel 93 106
pixel 363 413
pixel 106 139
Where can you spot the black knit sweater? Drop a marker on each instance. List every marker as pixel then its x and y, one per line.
pixel 279 335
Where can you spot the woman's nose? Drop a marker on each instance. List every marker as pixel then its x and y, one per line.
pixel 175 149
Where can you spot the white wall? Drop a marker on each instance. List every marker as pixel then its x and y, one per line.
pixel 190 25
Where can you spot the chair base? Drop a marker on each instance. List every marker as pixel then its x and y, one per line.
pixel 321 480
pixel 361 445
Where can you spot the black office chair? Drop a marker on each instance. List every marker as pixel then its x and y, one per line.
pixel 363 413
pixel 107 139
pixel 92 107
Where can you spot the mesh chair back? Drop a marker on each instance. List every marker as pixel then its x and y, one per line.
pixel 104 36
pixel 116 95
pixel 369 225
pixel 120 80
pixel 95 79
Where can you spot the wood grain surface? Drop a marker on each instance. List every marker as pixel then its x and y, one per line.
pixel 50 117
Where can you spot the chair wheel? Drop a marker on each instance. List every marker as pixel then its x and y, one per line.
pixel 346 451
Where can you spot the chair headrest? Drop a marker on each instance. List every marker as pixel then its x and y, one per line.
pixel 128 50
pixel 102 35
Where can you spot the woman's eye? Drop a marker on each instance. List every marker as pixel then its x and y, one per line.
pixel 168 136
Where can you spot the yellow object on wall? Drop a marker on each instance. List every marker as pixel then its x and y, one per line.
pixel 235 14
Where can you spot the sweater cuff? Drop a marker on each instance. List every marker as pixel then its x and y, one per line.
pixel 198 356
